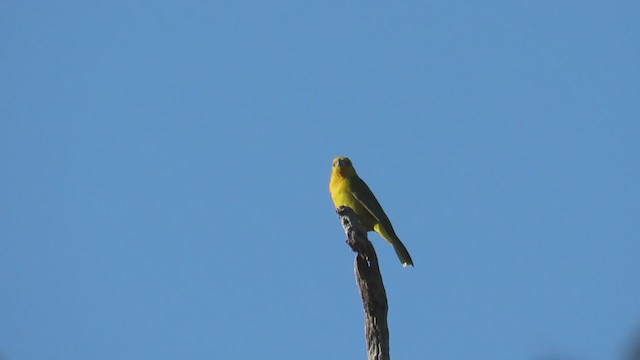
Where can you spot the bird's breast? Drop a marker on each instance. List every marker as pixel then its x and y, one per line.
pixel 341 195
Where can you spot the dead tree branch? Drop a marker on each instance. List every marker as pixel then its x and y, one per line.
pixel 369 279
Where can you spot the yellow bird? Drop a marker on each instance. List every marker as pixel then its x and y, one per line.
pixel 348 189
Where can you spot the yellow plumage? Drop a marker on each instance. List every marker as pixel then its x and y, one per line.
pixel 347 189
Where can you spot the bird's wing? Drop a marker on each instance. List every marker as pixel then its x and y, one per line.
pixel 365 197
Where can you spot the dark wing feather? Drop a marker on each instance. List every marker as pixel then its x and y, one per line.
pixel 365 197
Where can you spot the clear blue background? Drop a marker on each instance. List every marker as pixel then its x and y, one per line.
pixel 165 165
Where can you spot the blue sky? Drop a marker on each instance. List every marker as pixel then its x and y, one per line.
pixel 164 174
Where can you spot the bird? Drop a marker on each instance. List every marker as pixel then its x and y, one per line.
pixel 348 189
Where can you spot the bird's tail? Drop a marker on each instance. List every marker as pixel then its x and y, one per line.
pixel 398 246
pixel 403 253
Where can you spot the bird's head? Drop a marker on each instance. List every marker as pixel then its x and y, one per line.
pixel 342 167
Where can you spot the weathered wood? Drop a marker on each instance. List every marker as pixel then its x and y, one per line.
pixel 369 279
